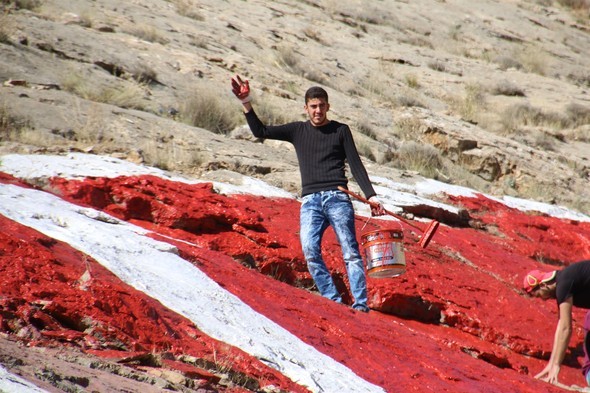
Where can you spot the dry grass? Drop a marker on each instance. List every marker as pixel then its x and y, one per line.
pixel 89 124
pixel 7 28
pixel 508 62
pixel 457 174
pixel 577 5
pixel 471 103
pixel 313 34
pixel 417 41
pixel 364 127
pixel 580 204
pixel 125 94
pixel 287 58
pixel 364 150
pixel 147 33
pixel 12 127
pixel 205 108
pixel 580 77
pixel 526 115
pixel 188 8
pixel 437 65
pixel 73 82
pixel 169 156
pixel 272 115
pixel 144 74
pixel 543 140
pixel 533 59
pixel 412 81
pixel 506 88
pixel 408 128
pixel 377 83
pixel 409 99
pixel 578 114
pixel 538 191
pixel 424 159
pixel 21 4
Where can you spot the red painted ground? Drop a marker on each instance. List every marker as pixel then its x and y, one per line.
pixel 456 321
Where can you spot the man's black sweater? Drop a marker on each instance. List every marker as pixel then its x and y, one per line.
pixel 321 152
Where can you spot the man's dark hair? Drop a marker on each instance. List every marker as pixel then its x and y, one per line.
pixel 315 92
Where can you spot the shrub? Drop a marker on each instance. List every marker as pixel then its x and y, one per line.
pixel 412 81
pixel 579 5
pixel 437 65
pixel 21 4
pixel 424 159
pixel 205 108
pixel 365 151
pixel 526 115
pixel 144 74
pixel 365 128
pixel 147 33
pixel 578 114
pixel 409 100
pixel 580 77
pixel 11 126
pixel 544 141
pixel 129 96
pixel 75 83
pixel 124 95
pixel 187 8
pixel 533 59
pixel 7 28
pixel 506 88
pixel 272 115
pixel 408 128
pixel 507 62
pixel 471 103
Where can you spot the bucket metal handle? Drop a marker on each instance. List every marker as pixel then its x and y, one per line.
pixel 427 234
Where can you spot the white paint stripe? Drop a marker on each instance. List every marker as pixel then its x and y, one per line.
pixel 154 268
pixel 13 383
pixel 80 166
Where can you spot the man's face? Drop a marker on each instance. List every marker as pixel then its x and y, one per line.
pixel 317 109
pixel 544 291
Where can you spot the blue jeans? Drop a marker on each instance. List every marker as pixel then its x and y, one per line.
pixel 318 211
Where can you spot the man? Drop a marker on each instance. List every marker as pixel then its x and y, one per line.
pixel 570 287
pixel 322 146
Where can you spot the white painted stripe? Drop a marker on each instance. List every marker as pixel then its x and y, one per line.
pixel 11 383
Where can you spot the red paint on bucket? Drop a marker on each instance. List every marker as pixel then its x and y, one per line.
pixel 383 251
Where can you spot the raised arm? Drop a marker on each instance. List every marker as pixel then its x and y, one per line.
pixel 241 89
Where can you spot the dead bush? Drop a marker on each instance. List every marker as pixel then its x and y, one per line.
pixel 205 108
pixel 527 115
pixel 506 88
pixel 21 4
pixel 578 114
pixel 424 159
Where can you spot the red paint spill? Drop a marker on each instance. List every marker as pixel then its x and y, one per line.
pixel 455 321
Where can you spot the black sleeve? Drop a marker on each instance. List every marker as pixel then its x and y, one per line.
pixel 259 130
pixel 356 165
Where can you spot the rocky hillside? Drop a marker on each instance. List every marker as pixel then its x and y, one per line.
pixel 488 94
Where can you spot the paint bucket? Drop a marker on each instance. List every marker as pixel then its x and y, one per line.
pixel 383 251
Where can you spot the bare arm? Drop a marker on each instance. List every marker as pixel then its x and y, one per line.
pixel 563 333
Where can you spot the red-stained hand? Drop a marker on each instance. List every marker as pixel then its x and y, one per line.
pixel 241 88
pixel 377 208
